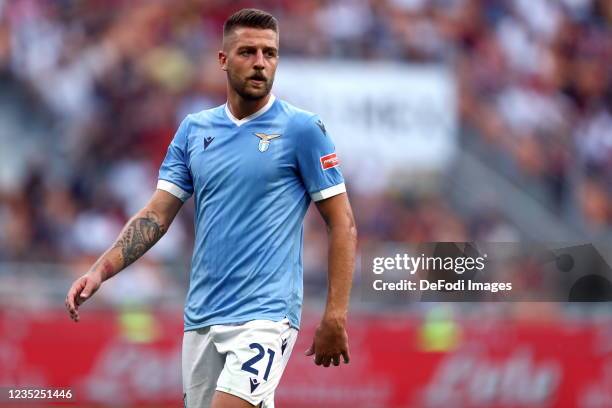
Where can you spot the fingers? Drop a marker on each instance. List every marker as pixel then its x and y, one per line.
pixel 346 355
pixel 71 307
pixel 327 360
pixel 328 350
pixel 71 299
pixel 319 358
pixel 68 306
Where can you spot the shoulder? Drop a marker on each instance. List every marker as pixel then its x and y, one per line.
pixel 306 129
pixel 203 117
pixel 192 122
pixel 297 118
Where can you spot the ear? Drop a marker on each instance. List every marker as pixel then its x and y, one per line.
pixel 222 57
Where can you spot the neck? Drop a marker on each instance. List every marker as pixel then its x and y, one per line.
pixel 241 108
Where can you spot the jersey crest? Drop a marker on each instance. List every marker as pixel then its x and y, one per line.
pixel 264 140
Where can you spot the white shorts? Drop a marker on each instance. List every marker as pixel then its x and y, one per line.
pixel 245 360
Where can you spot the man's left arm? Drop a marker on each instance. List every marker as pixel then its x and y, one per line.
pixel 331 341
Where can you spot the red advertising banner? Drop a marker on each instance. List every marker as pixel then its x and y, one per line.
pixel 133 359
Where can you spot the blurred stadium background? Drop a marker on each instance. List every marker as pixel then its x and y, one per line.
pixel 456 120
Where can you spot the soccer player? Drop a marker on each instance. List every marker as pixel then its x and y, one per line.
pixel 253 166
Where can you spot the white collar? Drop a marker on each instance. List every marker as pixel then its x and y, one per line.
pixel 252 116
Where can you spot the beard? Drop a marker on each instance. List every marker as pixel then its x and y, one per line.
pixel 242 88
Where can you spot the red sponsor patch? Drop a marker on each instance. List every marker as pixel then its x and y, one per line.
pixel 329 161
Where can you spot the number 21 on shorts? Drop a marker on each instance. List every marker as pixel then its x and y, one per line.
pixel 248 365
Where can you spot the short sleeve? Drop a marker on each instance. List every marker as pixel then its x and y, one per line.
pixel 174 176
pixel 317 161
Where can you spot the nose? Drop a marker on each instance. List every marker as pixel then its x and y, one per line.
pixel 259 60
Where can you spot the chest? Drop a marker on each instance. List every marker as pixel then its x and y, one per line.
pixel 247 156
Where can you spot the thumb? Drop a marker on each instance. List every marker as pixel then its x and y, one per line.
pixel 310 350
pixel 88 290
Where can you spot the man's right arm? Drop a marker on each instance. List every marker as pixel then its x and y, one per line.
pixel 140 233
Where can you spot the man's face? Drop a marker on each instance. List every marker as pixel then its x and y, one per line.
pixel 250 57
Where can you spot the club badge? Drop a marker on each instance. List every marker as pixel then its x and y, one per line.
pixel 264 140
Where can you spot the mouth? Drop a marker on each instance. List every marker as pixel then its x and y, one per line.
pixel 257 79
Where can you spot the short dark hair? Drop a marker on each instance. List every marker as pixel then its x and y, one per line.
pixel 252 18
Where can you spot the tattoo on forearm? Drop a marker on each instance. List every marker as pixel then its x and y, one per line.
pixel 139 236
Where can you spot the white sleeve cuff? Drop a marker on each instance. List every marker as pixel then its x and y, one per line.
pixel 173 189
pixel 328 192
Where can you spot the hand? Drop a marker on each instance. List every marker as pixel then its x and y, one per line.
pixel 81 290
pixel 329 343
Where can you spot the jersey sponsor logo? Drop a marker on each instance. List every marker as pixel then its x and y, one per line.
pixel 264 141
pixel 329 161
pixel 208 140
pixel 254 383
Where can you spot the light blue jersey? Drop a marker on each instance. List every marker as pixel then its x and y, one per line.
pixel 252 181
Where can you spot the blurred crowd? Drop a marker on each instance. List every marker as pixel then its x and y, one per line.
pixel 104 84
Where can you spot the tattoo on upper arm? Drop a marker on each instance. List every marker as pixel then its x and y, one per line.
pixel 140 235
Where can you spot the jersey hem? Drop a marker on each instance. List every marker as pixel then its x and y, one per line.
pixel 238 321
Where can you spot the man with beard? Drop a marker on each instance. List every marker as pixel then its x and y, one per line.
pixel 253 165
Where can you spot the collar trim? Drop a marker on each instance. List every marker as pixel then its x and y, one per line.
pixel 252 116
